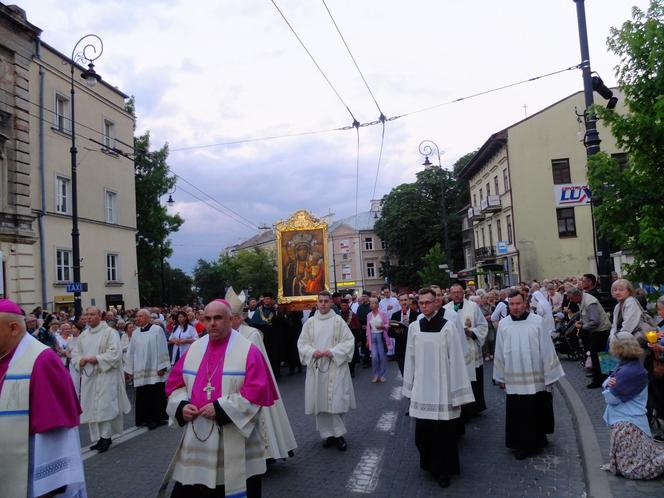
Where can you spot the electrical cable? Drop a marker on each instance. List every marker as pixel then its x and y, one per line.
pixel 352 57
pixel 380 155
pixel 357 173
pixel 247 220
pixel 315 63
pixel 212 206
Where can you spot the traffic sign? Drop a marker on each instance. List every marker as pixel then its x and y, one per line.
pixel 77 287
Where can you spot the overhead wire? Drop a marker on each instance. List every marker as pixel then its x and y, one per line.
pixel 314 61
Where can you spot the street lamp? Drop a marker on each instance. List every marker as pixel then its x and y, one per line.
pixel 91 48
pixel 427 147
pixel 591 141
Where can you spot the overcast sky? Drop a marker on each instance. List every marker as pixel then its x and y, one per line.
pixel 216 71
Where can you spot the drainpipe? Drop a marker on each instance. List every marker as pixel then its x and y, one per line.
pixel 42 182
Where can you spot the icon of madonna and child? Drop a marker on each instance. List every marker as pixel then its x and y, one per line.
pixel 303 262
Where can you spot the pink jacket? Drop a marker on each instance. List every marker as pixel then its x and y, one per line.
pixel 386 325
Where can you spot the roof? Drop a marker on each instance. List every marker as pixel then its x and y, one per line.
pixel 263 237
pixel 496 141
pixel 365 221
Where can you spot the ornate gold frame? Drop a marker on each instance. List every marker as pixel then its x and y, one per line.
pixel 300 220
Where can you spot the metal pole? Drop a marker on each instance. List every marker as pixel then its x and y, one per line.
pixel 75 234
pixel 592 141
pixel 426 147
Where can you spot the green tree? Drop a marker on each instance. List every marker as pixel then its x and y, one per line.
pixel 430 271
pixel 208 280
pixel 153 222
pixel 178 286
pixel 629 200
pixel 411 221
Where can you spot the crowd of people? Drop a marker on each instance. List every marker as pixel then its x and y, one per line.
pixel 219 366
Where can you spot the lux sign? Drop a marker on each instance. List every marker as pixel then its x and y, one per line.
pixel 571 195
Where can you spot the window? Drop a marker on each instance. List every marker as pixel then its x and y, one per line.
pixel 506 181
pixel 112 270
pixel 508 222
pixel 109 134
pixel 561 174
pixel 62 186
pixel 495 185
pixel 111 204
pixel 63 268
pixel 481 195
pixel 371 270
pixel 382 244
pixel 483 238
pixel 499 230
pixel 566 222
pixel 490 235
pixel 488 189
pixel 474 200
pixel 368 243
pixel 621 158
pixel 61 115
pixel 477 239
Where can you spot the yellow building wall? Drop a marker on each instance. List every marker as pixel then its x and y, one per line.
pixel 551 134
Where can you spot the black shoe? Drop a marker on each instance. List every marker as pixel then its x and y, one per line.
pixel 103 445
pixel 443 481
pixel 341 444
pixel 95 446
pixel 270 461
pixel 152 426
pixel 521 454
pixel 594 384
pixel 329 442
pixel 291 453
pixel 407 414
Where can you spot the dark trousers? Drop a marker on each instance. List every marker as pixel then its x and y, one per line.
pixel 437 442
pixel 528 419
pixel 150 404
pixel 479 405
pixel 595 342
pixel 199 491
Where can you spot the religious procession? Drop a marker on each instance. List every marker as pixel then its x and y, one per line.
pixel 195 304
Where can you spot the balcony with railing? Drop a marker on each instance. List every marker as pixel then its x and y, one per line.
pixel 482 253
pixel 491 204
pixel 474 214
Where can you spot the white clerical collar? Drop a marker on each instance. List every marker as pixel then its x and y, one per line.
pixel 324 316
pixel 94 330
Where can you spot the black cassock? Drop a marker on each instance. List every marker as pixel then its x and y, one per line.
pixel 529 418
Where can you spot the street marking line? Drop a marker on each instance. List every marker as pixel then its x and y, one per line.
pixel 364 478
pixel 396 394
pixel 386 422
pixel 123 437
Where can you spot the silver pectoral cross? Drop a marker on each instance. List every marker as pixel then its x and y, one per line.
pixel 208 390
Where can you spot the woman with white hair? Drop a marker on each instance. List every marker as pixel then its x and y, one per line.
pixel 633 453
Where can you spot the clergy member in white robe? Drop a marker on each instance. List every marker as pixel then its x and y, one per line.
pixel 98 358
pixel 39 416
pixel 274 424
pixel 471 321
pixel 216 391
pixel 526 364
pixel 435 378
pixel 326 347
pixel 146 363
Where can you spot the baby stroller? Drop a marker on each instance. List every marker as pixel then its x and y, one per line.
pixel 566 341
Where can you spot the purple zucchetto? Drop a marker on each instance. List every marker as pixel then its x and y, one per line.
pixel 9 306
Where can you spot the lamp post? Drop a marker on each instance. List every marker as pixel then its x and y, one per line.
pixel 427 147
pixel 91 48
pixel 591 141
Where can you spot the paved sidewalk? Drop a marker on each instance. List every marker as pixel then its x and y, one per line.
pixel 593 403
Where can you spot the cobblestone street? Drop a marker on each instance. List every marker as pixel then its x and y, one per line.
pixel 381 459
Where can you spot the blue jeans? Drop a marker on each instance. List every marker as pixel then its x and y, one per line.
pixel 378 355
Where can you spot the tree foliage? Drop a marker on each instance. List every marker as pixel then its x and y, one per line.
pixel 253 270
pixel 630 200
pixel 178 286
pixel 430 271
pixel 153 222
pixel 411 221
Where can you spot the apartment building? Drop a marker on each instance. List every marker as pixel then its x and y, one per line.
pixel 529 200
pixel 35 177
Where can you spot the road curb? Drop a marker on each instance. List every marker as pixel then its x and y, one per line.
pixel 124 436
pixel 597 481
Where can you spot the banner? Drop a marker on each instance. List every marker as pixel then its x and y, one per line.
pixel 571 195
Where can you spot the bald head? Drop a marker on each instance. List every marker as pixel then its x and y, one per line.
pixel 12 330
pixel 217 320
